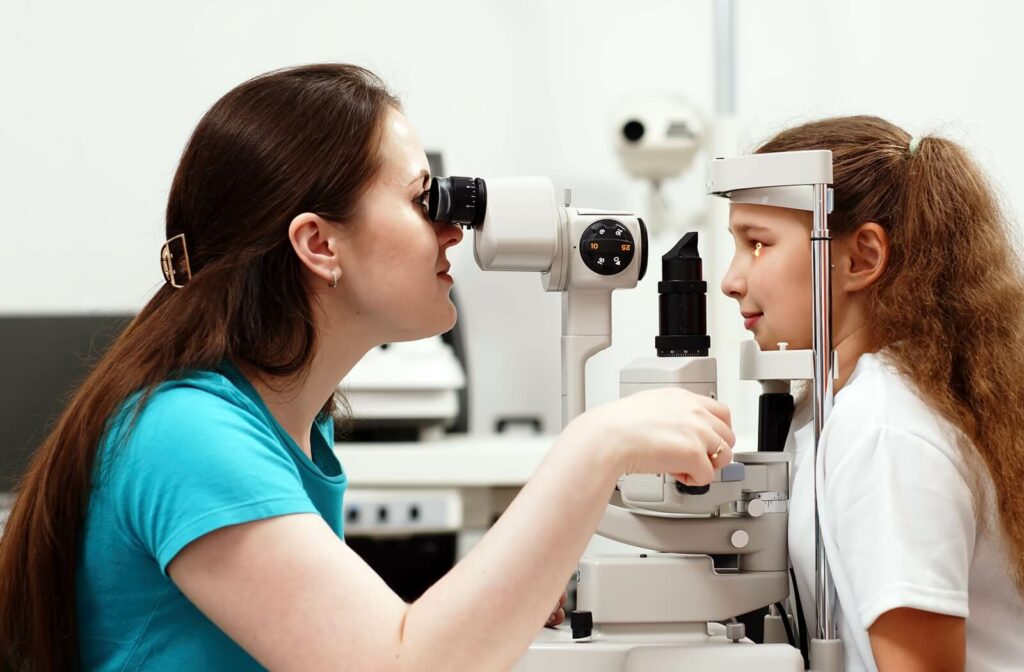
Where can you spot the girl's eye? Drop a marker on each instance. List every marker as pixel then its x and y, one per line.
pixel 421 200
pixel 757 248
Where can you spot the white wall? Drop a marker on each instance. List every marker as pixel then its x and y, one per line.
pixel 98 99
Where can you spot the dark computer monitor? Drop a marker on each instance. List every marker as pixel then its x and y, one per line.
pixel 43 358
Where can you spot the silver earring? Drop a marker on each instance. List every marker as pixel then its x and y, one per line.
pixel 334 279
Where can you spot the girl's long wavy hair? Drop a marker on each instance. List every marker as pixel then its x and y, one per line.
pixel 949 308
pixel 304 139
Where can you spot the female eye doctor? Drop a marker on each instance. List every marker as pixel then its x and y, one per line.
pixel 185 512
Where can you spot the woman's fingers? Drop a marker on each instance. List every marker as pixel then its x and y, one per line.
pixel 716 408
pixel 558 615
pixel 668 430
pixel 723 430
pixel 711 414
pixel 721 456
pixel 700 474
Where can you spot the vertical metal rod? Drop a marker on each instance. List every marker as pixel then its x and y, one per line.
pixel 727 331
pixel 821 271
pixel 725 57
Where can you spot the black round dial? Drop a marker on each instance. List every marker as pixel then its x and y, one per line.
pixel 607 247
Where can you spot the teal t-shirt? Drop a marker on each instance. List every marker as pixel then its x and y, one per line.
pixel 205 453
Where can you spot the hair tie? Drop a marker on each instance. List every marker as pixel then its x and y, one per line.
pixel 168 259
pixel 914 144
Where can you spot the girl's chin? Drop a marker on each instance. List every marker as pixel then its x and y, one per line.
pixel 767 342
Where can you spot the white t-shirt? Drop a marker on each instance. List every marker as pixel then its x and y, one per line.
pixel 898 522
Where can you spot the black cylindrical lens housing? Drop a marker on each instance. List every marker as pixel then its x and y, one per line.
pixel 775 415
pixel 682 302
pixel 458 200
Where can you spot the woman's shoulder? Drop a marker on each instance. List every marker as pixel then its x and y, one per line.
pixel 878 399
pixel 194 396
pixel 191 408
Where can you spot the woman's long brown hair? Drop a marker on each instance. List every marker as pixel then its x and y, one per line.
pixel 949 308
pixel 304 139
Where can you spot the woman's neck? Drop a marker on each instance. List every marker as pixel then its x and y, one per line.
pixel 296 400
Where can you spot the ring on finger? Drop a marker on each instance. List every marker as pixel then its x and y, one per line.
pixel 717 451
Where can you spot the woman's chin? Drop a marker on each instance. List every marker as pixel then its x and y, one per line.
pixel 445 322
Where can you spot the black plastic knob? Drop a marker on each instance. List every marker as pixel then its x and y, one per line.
pixel 582 624
pixel 607 247
pixel 692 489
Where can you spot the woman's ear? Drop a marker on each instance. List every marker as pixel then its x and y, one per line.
pixel 314 240
pixel 862 259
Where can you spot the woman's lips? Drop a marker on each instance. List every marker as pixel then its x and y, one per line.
pixel 750 320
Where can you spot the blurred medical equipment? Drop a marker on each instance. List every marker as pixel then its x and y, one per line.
pixel 405 391
pixel 656 138
pixel 653 610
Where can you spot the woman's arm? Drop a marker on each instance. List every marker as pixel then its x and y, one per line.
pixel 911 640
pixel 294 596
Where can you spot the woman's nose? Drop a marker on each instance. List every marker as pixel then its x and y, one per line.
pixel 449 235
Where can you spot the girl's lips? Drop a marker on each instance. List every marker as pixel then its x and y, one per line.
pixel 749 322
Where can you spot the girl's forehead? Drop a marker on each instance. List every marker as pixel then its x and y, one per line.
pixel 745 217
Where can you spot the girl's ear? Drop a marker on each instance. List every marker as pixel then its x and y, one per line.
pixel 862 258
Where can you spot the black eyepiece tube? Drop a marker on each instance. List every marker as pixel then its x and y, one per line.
pixel 458 200
pixel 682 302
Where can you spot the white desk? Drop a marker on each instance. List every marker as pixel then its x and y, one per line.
pixel 456 461
pixel 458 484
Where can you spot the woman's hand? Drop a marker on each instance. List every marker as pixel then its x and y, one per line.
pixel 558 615
pixel 667 430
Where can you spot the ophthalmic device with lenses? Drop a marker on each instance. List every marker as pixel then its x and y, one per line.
pixel 670 608
pixel 583 253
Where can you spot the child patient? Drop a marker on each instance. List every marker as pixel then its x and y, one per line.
pixel 921 507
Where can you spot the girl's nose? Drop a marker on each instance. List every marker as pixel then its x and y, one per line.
pixel 733 284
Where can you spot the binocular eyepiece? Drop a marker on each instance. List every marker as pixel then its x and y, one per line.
pixel 458 200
